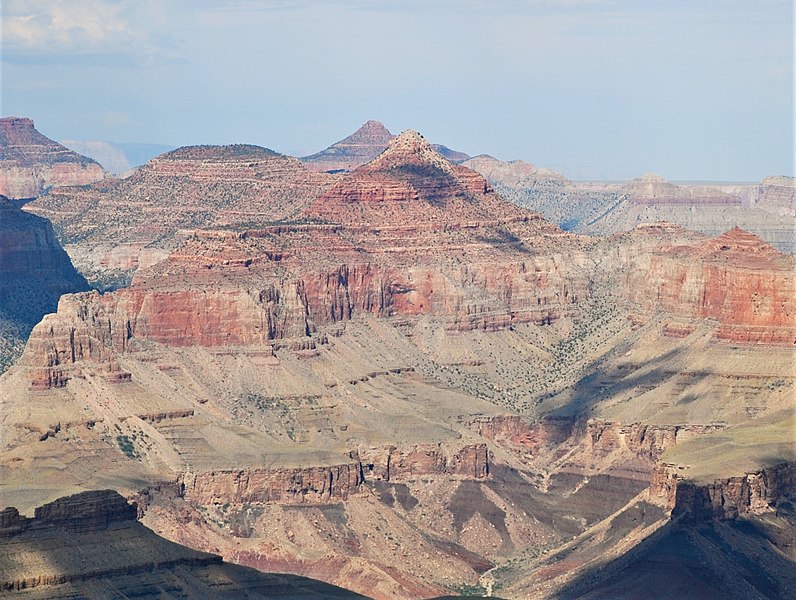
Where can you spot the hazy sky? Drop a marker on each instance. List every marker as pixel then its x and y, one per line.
pixel 690 89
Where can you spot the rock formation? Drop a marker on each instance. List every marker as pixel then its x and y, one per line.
pixel 31 163
pixel 34 272
pixel 118 225
pixel 736 279
pixel 90 545
pixel 362 146
pixel 394 380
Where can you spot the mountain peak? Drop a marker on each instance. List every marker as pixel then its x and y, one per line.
pixel 410 149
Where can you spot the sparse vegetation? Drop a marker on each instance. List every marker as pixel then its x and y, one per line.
pixel 126 446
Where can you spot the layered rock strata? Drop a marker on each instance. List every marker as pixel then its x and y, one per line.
pixel 736 279
pixel 118 225
pixel 723 499
pixel 31 163
pixel 361 147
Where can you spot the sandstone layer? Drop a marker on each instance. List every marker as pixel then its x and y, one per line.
pixel 31 163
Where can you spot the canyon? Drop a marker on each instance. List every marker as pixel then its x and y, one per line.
pixel 395 381
pixel 34 273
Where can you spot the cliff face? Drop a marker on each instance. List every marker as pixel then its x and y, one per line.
pixel 314 485
pixel 34 272
pixel 81 544
pixel 333 484
pixel 31 163
pixel 723 498
pixel 736 279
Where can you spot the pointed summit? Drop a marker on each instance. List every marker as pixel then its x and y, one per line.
pixel 372 132
pixel 362 146
pixel 411 184
pixel 410 149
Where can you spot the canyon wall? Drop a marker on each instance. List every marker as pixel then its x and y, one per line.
pixel 723 498
pixel 743 284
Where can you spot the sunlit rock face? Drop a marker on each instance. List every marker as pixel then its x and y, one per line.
pixel 31 163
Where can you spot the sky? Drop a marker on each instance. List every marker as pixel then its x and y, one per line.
pixel 612 89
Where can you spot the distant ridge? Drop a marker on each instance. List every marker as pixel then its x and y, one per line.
pixel 361 147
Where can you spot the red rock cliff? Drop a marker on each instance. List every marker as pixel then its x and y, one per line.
pixel 737 280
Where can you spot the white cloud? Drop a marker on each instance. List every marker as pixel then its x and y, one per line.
pixel 81 27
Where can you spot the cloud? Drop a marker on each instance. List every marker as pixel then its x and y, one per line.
pixel 62 29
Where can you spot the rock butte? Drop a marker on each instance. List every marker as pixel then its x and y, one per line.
pixel 31 163
pixel 338 394
pixel 362 146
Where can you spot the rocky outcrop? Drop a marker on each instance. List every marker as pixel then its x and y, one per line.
pixel 361 147
pixel 723 499
pixel 393 463
pixel 31 163
pixel 87 511
pixel 297 485
pixel 736 279
pixel 90 545
pixel 332 484
pixel 521 434
pixel 644 440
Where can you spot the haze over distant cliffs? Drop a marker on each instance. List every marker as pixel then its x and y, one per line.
pixel 767 209
pixel 117 158
pixel 31 163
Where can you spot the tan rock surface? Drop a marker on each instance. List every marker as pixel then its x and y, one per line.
pixel 31 163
